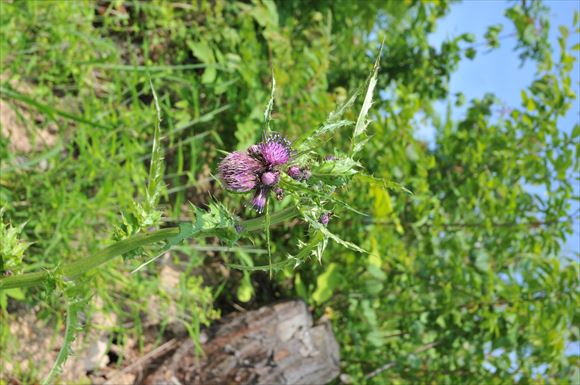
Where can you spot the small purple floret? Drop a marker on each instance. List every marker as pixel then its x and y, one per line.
pixel 270 178
pixel 238 172
pixel 254 150
pixel 324 218
pixel 279 193
pixel 275 150
pixel 259 200
pixel 330 157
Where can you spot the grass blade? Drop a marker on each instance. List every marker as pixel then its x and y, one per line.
pixel 48 109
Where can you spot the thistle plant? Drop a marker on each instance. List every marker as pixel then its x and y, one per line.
pixel 275 167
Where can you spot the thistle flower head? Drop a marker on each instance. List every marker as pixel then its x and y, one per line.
pixel 275 150
pixel 239 172
pixel 257 169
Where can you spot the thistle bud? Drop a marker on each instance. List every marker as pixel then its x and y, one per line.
pixel 270 178
pixel 279 193
pixel 294 172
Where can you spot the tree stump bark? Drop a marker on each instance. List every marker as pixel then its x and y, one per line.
pixel 272 345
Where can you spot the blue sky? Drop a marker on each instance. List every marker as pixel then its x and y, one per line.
pixel 499 71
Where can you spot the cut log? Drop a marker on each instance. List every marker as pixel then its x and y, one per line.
pixel 276 344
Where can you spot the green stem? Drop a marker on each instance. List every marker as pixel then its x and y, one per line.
pixel 77 268
pixel 278 217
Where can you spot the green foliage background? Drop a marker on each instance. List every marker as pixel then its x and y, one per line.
pixel 464 280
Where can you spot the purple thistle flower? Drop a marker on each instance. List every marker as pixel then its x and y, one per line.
pixel 257 169
pixel 270 178
pixel 259 199
pixel 324 218
pixel 275 150
pixel 238 172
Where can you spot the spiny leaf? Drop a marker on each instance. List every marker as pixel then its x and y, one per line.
pixel 311 248
pixel 362 121
pixel 11 247
pixel 74 306
pixel 290 184
pixel 216 221
pixel 337 114
pixel 307 214
pixel 340 167
pixel 311 138
pixel 269 107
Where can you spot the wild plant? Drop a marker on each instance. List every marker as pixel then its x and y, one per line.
pixel 291 172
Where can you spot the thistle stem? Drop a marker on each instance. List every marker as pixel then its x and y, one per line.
pixel 75 269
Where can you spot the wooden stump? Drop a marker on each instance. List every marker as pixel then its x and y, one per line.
pixel 272 345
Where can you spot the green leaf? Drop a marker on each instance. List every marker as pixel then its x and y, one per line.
pixel 203 51
pixel 326 283
pixel 377 272
pixel 470 53
pixel 15 293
